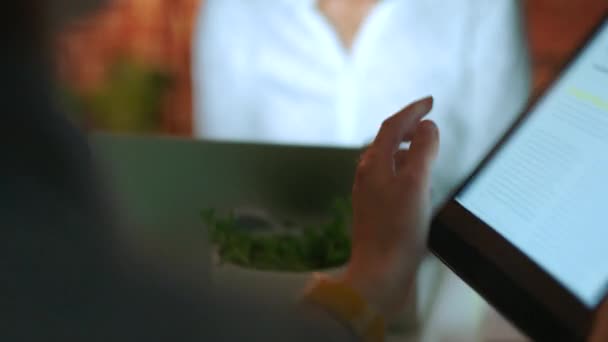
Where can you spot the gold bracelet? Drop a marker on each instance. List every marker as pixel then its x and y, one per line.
pixel 346 305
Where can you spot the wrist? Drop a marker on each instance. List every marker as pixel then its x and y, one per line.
pixel 384 286
pixel 347 305
pixel 370 290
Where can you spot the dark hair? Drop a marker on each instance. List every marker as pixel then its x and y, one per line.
pixel 53 244
pixel 24 28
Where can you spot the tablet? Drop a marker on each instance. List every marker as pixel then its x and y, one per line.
pixel 529 229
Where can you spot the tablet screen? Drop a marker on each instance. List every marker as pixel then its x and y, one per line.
pixel 546 189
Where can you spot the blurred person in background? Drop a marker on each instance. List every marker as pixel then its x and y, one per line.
pixel 324 72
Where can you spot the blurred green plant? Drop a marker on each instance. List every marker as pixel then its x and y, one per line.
pixel 314 248
pixel 128 101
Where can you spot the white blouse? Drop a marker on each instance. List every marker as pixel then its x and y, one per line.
pixel 275 71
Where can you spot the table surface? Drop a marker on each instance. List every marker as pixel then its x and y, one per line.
pixel 460 314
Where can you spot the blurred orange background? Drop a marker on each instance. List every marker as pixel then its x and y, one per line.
pixel 159 33
pixel 151 32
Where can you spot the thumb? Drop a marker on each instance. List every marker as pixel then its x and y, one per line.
pixel 422 152
pixel 600 326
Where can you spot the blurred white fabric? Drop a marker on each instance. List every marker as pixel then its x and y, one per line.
pixel 274 71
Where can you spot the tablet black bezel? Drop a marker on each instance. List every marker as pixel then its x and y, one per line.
pixel 520 289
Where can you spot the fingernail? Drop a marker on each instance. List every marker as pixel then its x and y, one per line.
pixel 431 129
pixel 423 105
